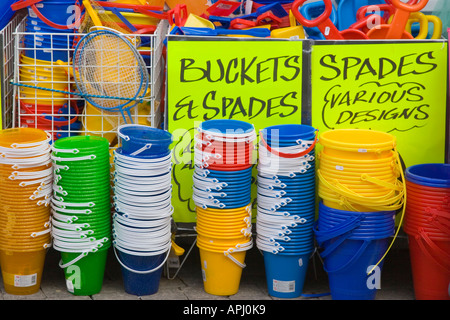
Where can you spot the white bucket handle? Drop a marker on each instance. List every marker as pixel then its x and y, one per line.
pixel 147 271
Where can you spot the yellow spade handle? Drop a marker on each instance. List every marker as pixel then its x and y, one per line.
pixel 423 21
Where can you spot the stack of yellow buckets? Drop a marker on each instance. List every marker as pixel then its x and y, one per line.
pixel 222 194
pixel 26 187
pixel 361 190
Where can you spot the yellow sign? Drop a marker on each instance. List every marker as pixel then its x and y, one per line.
pixel 256 81
pixel 399 88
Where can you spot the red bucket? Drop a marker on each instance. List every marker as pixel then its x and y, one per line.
pixel 430 264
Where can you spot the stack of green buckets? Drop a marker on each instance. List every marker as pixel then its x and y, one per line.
pixel 81 208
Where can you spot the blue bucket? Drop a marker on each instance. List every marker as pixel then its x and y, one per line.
pixel 347 267
pixel 55 11
pixel 229 174
pixel 285 273
pixel 137 283
pixel 429 174
pixel 140 156
pixel 134 137
pixel 288 132
pixel 227 126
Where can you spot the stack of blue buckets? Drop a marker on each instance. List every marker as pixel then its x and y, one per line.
pixel 142 220
pixel 286 206
pixel 353 242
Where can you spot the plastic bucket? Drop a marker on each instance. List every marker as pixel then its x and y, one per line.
pixel 56 11
pixel 22 271
pixel 357 143
pixel 347 267
pixel 85 276
pixel 226 128
pixel 429 174
pixel 285 273
pixel 288 132
pixel 21 136
pixel 221 275
pixel 42 53
pixel 135 137
pixel 430 267
pixel 141 284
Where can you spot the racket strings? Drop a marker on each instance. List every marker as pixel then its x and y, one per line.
pixel 108 67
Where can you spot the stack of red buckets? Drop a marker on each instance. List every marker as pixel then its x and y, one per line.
pixel 427 224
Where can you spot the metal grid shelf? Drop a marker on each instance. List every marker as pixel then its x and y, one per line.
pixel 46 94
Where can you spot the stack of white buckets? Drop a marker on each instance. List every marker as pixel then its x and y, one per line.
pixel 286 206
pixel 142 200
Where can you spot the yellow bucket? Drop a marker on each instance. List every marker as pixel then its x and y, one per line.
pixel 100 123
pixel 221 275
pixel 25 92
pixel 357 144
pixel 10 137
pixel 221 244
pixel 33 81
pixel 22 271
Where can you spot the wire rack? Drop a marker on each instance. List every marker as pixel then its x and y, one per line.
pixel 46 94
pixel 7 70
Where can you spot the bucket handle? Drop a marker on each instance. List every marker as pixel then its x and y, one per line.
pixel 353 259
pixel 378 205
pixel 422 235
pixel 147 146
pixel 146 271
pixel 98 244
pixel 288 155
pixel 434 218
pixel 339 230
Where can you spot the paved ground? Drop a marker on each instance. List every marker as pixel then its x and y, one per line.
pixel 396 281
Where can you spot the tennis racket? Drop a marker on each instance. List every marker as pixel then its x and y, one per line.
pixel 109 71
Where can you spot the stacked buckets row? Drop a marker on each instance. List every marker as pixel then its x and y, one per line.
pixel 222 195
pixel 44 44
pixel 25 185
pixel 427 224
pixel 142 199
pixel 81 210
pixel 360 193
pixel 286 206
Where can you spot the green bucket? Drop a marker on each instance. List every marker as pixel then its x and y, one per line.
pixel 85 276
pixel 84 144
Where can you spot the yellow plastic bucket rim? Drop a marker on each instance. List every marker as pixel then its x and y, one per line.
pixel 9 137
pixel 331 139
pixel 237 235
pixel 332 195
pixel 352 166
pixel 221 247
pixel 219 232
pixel 30 76
pixel 219 223
pixel 228 242
pixel 223 218
pixel 355 176
pixel 347 171
pixel 29 81
pixel 225 211
pixel 323 156
pixel 33 61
